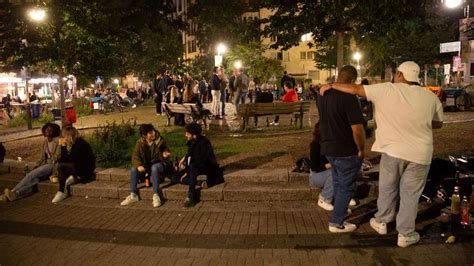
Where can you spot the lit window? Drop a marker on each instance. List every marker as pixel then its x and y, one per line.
pixel 306 37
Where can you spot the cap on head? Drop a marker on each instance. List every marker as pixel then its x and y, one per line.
pixel 410 71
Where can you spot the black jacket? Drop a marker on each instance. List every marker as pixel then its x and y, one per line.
pixel 81 156
pixel 201 153
pixel 215 83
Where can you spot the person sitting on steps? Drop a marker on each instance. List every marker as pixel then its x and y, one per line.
pixel 150 157
pixel 76 163
pixel 200 159
pixel 46 166
pixel 320 173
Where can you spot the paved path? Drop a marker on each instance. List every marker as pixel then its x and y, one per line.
pixel 99 232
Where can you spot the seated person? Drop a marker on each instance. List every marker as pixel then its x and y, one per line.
pixel 76 163
pixel 289 97
pixel 46 166
pixel 320 174
pixel 262 96
pixel 150 157
pixel 200 159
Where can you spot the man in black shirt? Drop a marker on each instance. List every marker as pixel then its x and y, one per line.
pixel 342 142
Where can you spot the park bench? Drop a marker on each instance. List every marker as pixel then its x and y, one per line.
pixel 191 109
pixel 297 109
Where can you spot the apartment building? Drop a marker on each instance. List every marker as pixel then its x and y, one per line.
pixel 297 61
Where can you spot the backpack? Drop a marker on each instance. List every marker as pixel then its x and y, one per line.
pixel 303 165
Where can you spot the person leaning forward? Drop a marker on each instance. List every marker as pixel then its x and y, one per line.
pixel 405 115
pixel 150 157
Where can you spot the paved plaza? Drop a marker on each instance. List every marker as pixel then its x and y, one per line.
pixel 86 231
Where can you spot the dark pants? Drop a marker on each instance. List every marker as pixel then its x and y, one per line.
pixel 158 100
pixel 64 171
pixel 214 177
pixel 344 174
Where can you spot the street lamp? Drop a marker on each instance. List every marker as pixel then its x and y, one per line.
pixel 238 64
pixel 452 3
pixel 221 49
pixel 37 14
pixel 357 56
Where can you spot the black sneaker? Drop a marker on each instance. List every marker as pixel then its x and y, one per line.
pixel 188 203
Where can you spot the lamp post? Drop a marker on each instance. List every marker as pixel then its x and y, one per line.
pixel 238 64
pixel 37 15
pixel 357 56
pixel 221 49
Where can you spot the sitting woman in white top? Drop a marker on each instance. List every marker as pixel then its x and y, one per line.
pixel 46 166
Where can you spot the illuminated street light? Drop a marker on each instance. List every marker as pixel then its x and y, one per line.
pixel 37 14
pixel 357 56
pixel 221 48
pixel 452 3
pixel 238 64
pixel 116 81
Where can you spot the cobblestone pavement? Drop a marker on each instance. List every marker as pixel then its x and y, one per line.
pixel 100 232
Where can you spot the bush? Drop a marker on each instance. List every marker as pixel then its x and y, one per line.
pixel 113 143
pixel 18 120
pixel 45 118
pixel 82 107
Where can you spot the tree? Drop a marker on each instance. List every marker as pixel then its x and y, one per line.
pixel 220 21
pixel 255 64
pixel 325 19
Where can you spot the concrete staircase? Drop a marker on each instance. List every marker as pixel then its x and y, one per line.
pixel 241 185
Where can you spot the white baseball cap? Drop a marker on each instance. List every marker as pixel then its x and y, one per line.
pixel 410 71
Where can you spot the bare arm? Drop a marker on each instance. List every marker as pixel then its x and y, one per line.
pixel 358 134
pixel 436 124
pixel 353 89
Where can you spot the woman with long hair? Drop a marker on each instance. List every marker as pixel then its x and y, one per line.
pixel 46 166
pixel 320 174
pixel 77 161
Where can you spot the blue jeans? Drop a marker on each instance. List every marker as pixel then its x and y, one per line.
pixel 223 99
pixel 323 180
pixel 32 178
pixel 344 172
pixel 156 171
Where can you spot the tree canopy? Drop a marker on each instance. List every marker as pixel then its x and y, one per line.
pixel 385 31
pixel 90 38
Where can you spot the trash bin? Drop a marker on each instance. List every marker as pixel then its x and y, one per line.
pixel 70 115
pixel 56 114
pixel 452 96
pixel 35 110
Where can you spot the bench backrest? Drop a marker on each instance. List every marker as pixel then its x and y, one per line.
pixel 180 108
pixel 273 108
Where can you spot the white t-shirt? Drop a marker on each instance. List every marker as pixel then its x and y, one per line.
pixel 404 114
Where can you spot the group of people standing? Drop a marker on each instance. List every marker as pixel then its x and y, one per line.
pixel 405 114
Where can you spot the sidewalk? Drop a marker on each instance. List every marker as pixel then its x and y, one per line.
pixel 99 232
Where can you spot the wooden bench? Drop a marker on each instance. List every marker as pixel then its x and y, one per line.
pixel 276 108
pixel 191 109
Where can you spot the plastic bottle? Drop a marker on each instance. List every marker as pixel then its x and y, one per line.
pixel 26 169
pixel 455 202
pixel 465 212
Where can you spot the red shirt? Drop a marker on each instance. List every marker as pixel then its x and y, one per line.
pixel 290 97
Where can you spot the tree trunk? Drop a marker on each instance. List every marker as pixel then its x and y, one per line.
pixel 340 50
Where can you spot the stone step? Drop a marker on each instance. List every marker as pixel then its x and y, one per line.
pixel 229 191
pixel 231 176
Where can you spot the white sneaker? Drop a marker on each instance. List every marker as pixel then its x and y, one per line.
pixel 408 240
pixel 276 123
pixel 70 180
pixel 272 123
pixel 325 205
pixel 156 201
pixel 352 203
pixel 345 228
pixel 59 197
pixel 380 228
pixel 134 106
pixel 132 198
